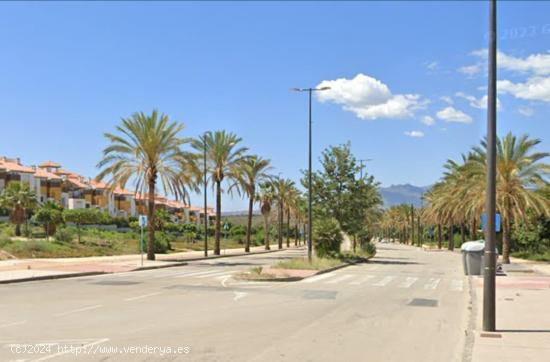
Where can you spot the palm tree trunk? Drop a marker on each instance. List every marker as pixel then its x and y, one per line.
pixel 439 236
pixel 218 217
pixel 473 233
pixel 280 229
pixel 266 232
pixel 296 234
pixel 249 228
pixel 506 241
pixel 450 233
pixel 17 229
pixel 151 219
pixel 288 228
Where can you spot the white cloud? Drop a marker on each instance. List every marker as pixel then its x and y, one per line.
pixel 470 70
pixel 432 65
pixel 447 99
pixel 427 120
pixel 526 111
pixel 534 88
pixel 450 114
pixel 369 98
pixel 479 103
pixel 536 67
pixel 414 134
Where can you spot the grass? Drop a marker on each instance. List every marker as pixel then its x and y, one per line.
pixel 532 256
pixel 304 264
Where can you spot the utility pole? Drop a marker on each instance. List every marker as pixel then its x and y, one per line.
pixel 362 165
pixel 489 282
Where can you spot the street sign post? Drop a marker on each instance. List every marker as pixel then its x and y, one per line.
pixel 142 223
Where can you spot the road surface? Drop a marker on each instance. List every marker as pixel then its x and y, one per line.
pixel 404 305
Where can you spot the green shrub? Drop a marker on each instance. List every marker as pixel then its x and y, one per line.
pixel 64 235
pixel 327 238
pixel 238 233
pixel 162 243
pixel 368 248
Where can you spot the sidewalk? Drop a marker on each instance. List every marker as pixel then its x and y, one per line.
pixel 523 320
pixel 27 269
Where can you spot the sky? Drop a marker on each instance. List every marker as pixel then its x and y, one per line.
pixel 407 78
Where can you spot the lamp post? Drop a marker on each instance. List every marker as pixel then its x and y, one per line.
pixel 309 199
pixel 361 165
pixel 489 320
pixel 205 199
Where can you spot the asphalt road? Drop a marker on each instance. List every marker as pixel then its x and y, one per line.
pixel 404 305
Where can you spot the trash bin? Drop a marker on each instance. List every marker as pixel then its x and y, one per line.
pixel 473 260
pixel 472 257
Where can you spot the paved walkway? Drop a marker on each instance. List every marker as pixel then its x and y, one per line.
pixel 523 321
pixel 15 269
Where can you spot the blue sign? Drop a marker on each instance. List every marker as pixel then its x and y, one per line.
pixel 142 221
pixel 497 222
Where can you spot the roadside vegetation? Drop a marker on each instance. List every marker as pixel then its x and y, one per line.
pixel 455 204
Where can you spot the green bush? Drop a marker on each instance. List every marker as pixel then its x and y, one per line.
pixel 162 243
pixel 327 238
pixel 238 233
pixel 64 235
pixel 368 248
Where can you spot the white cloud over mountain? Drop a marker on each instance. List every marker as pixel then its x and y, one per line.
pixel 369 98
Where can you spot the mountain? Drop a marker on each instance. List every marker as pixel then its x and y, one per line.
pixel 403 194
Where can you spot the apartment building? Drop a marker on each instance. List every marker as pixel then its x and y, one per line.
pixel 51 182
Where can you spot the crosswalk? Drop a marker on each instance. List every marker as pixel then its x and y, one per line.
pixel 381 281
pixel 333 279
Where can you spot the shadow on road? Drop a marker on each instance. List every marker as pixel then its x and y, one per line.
pixel 393 262
pixel 523 331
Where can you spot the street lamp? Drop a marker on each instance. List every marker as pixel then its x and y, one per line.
pixel 361 165
pixel 309 211
pixel 489 314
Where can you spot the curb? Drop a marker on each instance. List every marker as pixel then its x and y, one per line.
pixel 144 268
pixel 226 256
pixel 297 279
pixel 51 277
pixel 173 265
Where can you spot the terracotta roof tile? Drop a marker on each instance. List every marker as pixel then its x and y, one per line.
pixel 40 173
pixel 49 164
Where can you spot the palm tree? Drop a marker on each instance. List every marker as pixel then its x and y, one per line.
pixel 283 190
pixel 147 149
pixel 266 197
pixel 252 172
pixel 519 174
pixel 19 199
pixel 224 156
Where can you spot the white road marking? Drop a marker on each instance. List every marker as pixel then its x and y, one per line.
pixel 12 324
pixel 457 285
pixel 339 279
pixel 142 296
pixel 239 295
pixel 78 310
pixel 362 280
pixel 408 282
pixel 217 274
pixel 224 282
pixel 385 281
pixel 318 277
pixel 223 276
pixel 63 352
pixel 198 273
pixel 432 284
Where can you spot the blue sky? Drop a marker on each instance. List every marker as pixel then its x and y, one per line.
pixel 70 70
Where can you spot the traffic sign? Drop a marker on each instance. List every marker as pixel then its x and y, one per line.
pixel 497 222
pixel 142 221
